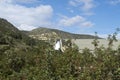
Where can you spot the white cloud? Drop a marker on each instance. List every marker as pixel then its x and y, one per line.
pixel 114 2
pixel 77 21
pixel 27 1
pixel 19 14
pixel 85 5
pixel 87 24
pixel 26 27
pixel 73 3
pixel 20 1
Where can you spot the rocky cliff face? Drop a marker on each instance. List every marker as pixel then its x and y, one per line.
pixel 45 36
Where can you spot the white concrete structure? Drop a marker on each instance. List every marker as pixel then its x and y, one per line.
pixel 87 43
pixel 57 45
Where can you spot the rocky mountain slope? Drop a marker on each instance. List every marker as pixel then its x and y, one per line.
pixel 47 33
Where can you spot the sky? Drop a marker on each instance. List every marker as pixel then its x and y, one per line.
pixel 75 16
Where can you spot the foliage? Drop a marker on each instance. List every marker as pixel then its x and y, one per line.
pixel 22 58
pixel 43 63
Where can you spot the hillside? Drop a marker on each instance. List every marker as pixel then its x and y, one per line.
pixel 12 39
pixel 23 58
pixel 6 27
pixel 10 35
pixel 54 33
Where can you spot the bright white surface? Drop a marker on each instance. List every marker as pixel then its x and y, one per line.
pixel 57 45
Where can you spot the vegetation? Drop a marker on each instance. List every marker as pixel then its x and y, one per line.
pixel 22 58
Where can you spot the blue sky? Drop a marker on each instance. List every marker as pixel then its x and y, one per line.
pixel 76 16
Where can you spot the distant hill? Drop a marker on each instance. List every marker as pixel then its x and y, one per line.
pixel 54 33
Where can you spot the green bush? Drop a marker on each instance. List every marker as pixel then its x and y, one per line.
pixel 41 62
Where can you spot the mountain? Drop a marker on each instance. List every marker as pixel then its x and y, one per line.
pixel 12 39
pixel 47 33
pixel 7 28
pixel 10 34
pixel 17 50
